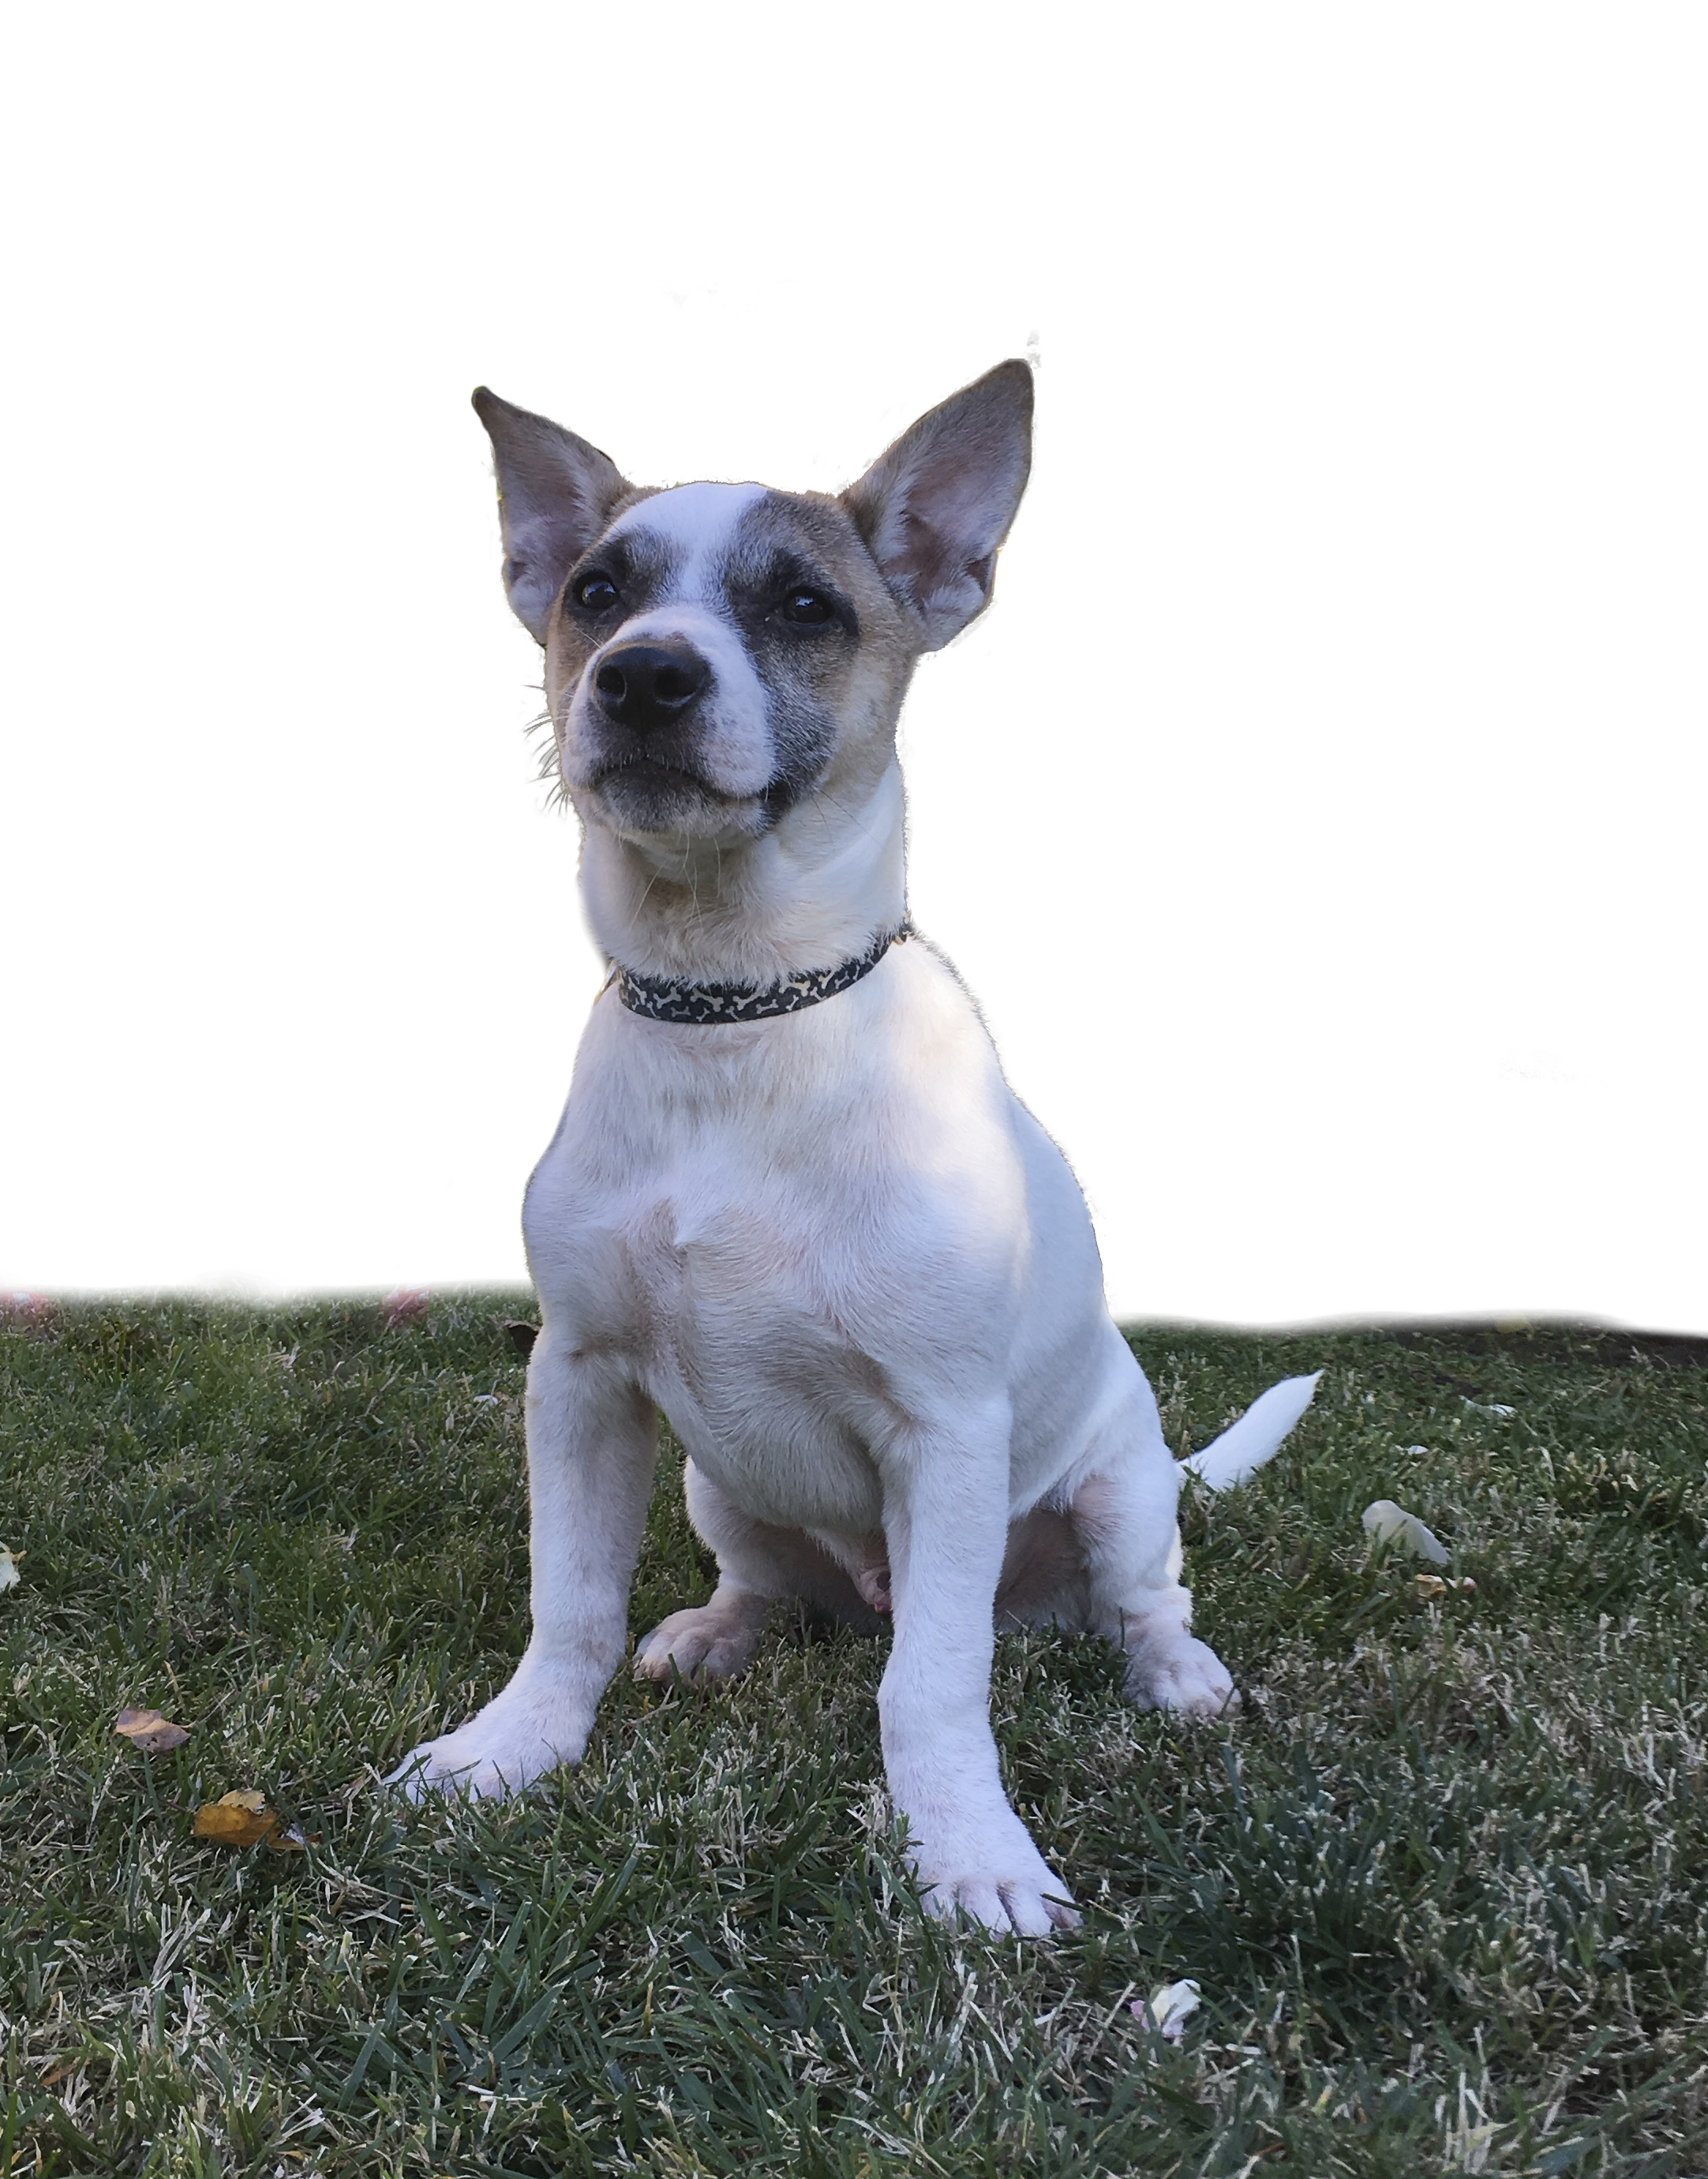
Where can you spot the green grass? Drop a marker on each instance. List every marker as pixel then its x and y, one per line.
pixel 1445 1884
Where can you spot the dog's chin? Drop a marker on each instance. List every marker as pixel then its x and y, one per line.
pixel 644 800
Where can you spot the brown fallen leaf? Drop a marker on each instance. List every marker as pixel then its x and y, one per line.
pixel 1429 1584
pixel 243 1819
pixel 149 1731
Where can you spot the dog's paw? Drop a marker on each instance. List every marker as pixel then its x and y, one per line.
pixel 1180 1674
pixel 1002 1884
pixel 503 1748
pixel 1007 1906
pixel 709 1643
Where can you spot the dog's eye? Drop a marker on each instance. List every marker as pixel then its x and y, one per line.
pixel 597 593
pixel 806 608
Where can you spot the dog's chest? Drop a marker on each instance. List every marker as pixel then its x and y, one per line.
pixel 723 1303
pixel 771 1257
pixel 733 1276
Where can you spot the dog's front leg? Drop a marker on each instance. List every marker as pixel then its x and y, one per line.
pixel 945 1523
pixel 592 1439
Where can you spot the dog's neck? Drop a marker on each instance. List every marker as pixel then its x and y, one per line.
pixel 811 893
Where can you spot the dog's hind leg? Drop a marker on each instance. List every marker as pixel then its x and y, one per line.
pixel 757 1564
pixel 1123 1515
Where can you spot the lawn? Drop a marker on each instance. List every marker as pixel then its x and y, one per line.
pixel 1444 1883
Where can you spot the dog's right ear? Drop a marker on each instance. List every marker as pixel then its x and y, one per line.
pixel 555 496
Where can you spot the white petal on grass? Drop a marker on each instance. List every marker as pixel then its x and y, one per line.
pixel 1491 1407
pixel 1392 1524
pixel 1168 2010
pixel 9 1575
pixel 1243 1447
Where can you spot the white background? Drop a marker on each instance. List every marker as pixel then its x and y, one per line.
pixel 1318 813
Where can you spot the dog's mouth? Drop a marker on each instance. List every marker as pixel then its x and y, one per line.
pixel 643 793
pixel 652 774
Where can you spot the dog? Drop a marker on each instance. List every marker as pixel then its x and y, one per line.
pixel 792 1201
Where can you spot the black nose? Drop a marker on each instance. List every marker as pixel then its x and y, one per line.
pixel 644 685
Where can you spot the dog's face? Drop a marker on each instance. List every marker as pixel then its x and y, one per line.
pixel 718 653
pixel 713 653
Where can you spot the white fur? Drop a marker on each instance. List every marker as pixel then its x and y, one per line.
pixel 701 519
pixel 1243 1447
pixel 812 890
pixel 862 1284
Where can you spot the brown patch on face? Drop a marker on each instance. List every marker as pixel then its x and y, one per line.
pixel 830 683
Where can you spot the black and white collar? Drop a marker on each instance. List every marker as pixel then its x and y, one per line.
pixel 670 999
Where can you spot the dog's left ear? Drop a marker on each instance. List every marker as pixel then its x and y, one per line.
pixel 555 496
pixel 934 509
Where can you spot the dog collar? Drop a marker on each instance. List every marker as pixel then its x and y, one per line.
pixel 668 999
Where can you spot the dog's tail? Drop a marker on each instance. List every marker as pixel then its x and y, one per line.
pixel 1244 1447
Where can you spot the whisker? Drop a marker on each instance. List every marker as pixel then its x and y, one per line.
pixel 548 769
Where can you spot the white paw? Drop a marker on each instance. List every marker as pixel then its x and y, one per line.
pixel 708 1642
pixel 1003 1883
pixel 505 1747
pixel 1006 1905
pixel 1177 1673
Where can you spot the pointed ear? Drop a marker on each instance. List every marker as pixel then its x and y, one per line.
pixel 555 496
pixel 934 510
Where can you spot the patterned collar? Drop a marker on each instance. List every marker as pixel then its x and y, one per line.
pixel 668 999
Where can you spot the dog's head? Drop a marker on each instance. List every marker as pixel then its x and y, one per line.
pixel 717 653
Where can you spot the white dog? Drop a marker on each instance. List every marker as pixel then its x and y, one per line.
pixel 792 1201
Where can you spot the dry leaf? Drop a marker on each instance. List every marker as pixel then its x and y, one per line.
pixel 149 1731
pixel 1169 2009
pixel 243 1819
pixel 9 1575
pixel 1429 1584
